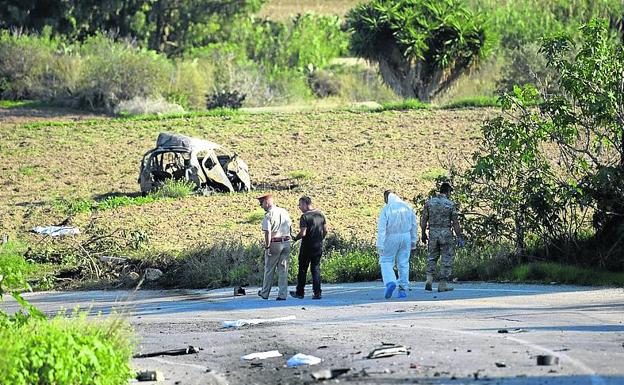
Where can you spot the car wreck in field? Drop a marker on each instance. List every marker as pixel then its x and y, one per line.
pixel 207 165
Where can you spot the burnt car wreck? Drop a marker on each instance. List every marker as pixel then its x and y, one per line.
pixel 207 165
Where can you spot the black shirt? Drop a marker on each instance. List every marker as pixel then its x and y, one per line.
pixel 314 221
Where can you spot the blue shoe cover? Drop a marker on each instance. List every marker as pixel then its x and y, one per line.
pixel 389 289
pixel 402 293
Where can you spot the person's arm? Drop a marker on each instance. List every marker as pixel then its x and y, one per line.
pixel 381 231
pixel 414 230
pixel 457 228
pixel 267 240
pixel 424 218
pixel 302 233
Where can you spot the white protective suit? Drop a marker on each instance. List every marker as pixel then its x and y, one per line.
pixel 396 236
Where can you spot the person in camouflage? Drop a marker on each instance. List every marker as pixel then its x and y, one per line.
pixel 440 214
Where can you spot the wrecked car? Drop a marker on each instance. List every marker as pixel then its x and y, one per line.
pixel 207 165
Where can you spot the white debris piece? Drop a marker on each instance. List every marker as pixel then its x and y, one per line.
pixel 55 231
pixel 255 321
pixel 262 355
pixel 302 359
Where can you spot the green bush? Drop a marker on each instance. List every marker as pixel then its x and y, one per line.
pixel 546 272
pixel 66 351
pixel 175 189
pixel 116 71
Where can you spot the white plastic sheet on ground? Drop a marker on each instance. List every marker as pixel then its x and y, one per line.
pixel 55 231
pixel 262 355
pixel 255 321
pixel 302 359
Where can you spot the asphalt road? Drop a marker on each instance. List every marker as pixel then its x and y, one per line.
pixel 453 337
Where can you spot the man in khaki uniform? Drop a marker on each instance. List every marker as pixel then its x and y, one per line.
pixel 440 213
pixel 276 227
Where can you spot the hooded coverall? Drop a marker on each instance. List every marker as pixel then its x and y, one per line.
pixel 396 236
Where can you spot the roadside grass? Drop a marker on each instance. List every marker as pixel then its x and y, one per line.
pixel 547 272
pixel 254 217
pixel 66 351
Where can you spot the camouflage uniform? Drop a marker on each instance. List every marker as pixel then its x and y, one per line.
pixel 441 212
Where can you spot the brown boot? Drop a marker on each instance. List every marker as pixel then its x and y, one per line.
pixel 429 282
pixel 442 287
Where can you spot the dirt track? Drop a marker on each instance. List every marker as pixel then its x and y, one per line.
pixel 453 337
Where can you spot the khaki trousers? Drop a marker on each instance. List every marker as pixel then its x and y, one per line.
pixel 276 259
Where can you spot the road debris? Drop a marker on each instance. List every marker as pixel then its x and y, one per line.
pixel 262 355
pixel 255 321
pixel 388 352
pixel 150 375
pixel 171 352
pixel 500 364
pixel 56 231
pixel 329 374
pixel 302 359
pixel 113 260
pixel 511 331
pixel 547 360
pixel 239 291
pixel 152 274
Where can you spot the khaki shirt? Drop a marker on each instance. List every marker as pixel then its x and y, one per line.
pixel 277 221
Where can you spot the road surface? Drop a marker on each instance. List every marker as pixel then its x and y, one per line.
pixel 453 337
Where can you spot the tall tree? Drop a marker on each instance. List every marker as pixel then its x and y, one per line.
pixel 422 46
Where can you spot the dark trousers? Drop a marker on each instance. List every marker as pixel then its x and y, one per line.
pixel 310 259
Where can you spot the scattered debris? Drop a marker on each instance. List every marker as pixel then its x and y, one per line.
pixel 400 311
pixel 388 352
pixel 55 231
pixel 262 355
pixel 255 321
pixel 302 359
pixel 5 239
pixel 322 347
pixel 511 331
pixel 239 291
pixel 329 374
pixel 113 260
pixel 152 274
pixel 500 364
pixel 150 375
pixel 172 352
pixel 547 360
pixel 566 349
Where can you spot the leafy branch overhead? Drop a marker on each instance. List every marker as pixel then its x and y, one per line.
pixel 422 46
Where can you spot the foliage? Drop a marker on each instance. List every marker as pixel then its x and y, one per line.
pixel 175 189
pixel 547 272
pixel 225 99
pixel 66 351
pixel 406 104
pixel 527 65
pixel 540 171
pixel 144 106
pixel 422 46
pixel 477 101
pixel 161 25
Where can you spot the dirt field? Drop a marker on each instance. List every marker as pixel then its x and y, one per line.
pixel 283 9
pixel 342 159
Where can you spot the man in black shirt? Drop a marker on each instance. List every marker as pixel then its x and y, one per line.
pixel 313 229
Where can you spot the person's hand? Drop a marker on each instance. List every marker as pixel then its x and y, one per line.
pixel 424 238
pixel 460 242
pixel 413 245
pixel 267 252
pixel 379 251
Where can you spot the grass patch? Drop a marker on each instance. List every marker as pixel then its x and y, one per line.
pixel 255 217
pixel 546 272
pixel 475 101
pixel 408 104
pixel 66 351
pixel 174 189
pixel 301 174
pixel 433 174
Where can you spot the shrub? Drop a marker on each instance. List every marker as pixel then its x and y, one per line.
pixel 225 99
pixel 66 351
pixel 323 84
pixel 527 65
pixel 175 189
pixel 118 71
pixel 190 82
